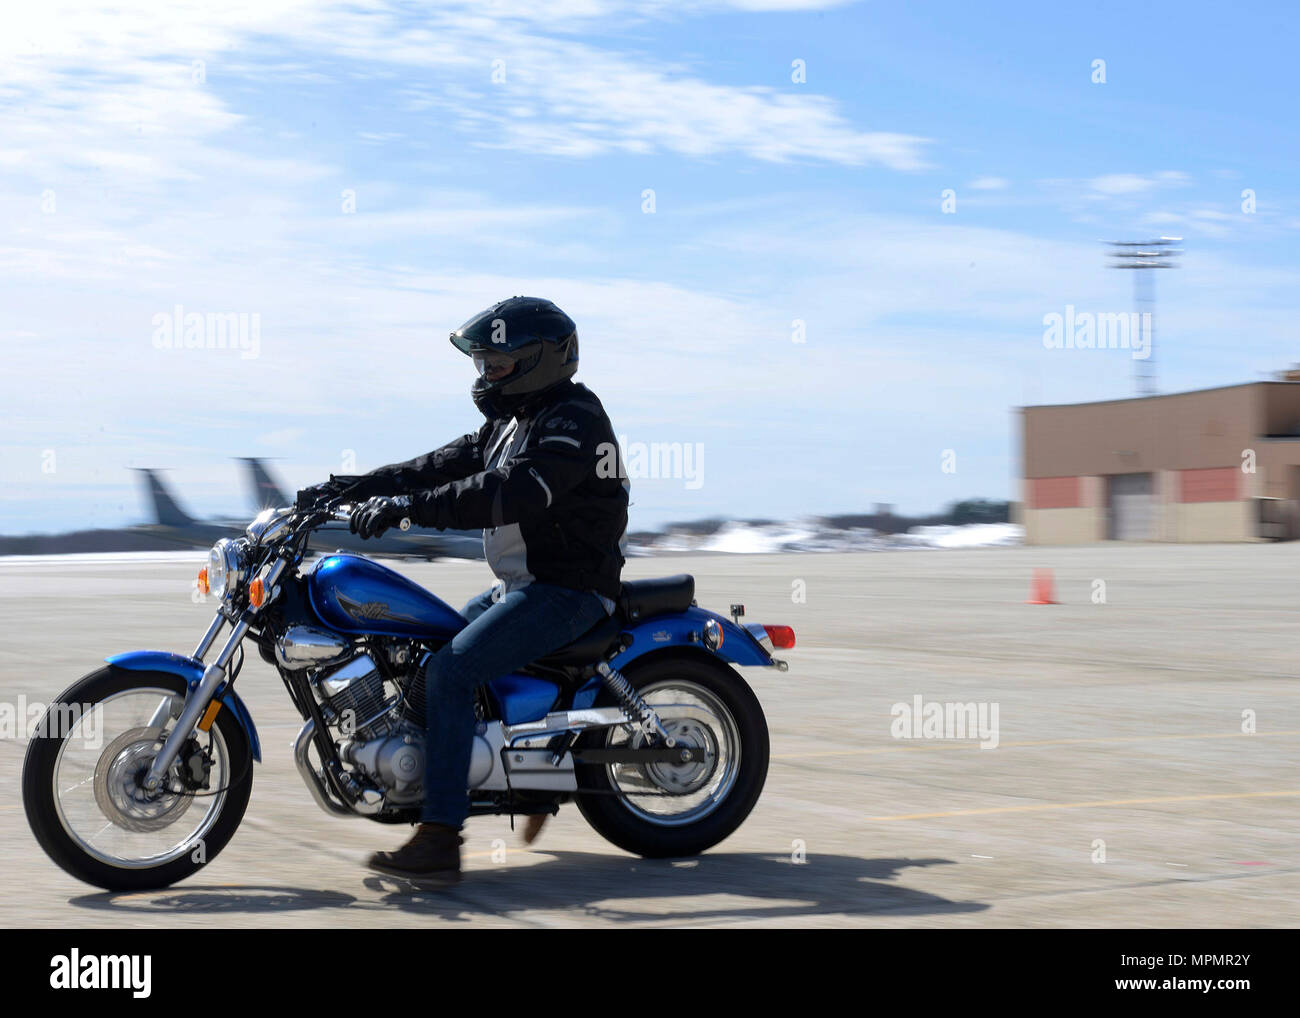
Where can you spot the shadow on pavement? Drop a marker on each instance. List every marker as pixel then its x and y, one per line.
pixel 228 899
pixel 716 887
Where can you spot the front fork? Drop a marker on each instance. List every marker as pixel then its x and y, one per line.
pixel 196 702
pixel 165 711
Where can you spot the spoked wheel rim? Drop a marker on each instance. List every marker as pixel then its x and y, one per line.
pixel 676 795
pixel 97 801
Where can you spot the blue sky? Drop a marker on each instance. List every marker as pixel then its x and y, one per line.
pixel 199 155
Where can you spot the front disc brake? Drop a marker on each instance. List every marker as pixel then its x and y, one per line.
pixel 119 790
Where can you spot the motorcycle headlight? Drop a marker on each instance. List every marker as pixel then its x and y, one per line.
pixel 227 568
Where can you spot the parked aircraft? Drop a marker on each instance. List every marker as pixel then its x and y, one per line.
pixel 173 523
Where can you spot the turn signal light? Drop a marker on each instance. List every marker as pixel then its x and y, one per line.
pixel 781 636
pixel 202 581
pixel 712 635
pixel 256 593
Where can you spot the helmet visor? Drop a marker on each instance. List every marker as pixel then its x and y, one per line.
pixel 496 367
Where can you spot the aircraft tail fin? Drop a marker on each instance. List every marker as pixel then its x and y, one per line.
pixel 166 511
pixel 266 493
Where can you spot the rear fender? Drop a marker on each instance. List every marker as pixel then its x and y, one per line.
pixel 680 633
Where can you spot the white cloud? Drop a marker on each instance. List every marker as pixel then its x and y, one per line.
pixel 590 102
pixel 1117 184
pixel 1121 183
pixel 989 184
pixel 1206 222
pixel 113 88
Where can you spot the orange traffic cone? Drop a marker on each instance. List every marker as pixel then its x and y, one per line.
pixel 1040 591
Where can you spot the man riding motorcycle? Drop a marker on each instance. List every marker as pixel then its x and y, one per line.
pixel 543 479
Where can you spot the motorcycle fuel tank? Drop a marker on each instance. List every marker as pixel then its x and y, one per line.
pixel 352 594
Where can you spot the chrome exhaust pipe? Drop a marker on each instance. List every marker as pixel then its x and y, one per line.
pixel 315 783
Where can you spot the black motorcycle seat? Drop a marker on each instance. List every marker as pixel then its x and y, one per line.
pixel 587 648
pixel 642 599
pixel 638 599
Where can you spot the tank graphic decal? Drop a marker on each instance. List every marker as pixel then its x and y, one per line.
pixel 371 611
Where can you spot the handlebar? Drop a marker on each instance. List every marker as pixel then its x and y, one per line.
pixel 340 515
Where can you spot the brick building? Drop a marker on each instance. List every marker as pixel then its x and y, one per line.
pixel 1212 465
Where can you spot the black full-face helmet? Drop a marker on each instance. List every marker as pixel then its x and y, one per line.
pixel 521 347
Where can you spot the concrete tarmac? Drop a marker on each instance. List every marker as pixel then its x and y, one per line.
pixel 1146 769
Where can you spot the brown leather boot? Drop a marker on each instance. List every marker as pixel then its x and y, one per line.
pixel 533 827
pixel 431 856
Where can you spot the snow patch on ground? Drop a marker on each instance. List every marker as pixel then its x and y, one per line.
pixel 812 534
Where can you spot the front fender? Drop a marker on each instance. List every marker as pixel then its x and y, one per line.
pixel 680 631
pixel 191 671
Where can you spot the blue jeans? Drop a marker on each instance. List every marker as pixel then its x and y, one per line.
pixel 522 626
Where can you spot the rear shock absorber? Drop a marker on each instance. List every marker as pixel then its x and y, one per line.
pixel 632 702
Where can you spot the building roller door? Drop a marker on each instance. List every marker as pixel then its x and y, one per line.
pixel 1132 507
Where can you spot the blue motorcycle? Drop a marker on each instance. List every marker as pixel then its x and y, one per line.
pixel 140 773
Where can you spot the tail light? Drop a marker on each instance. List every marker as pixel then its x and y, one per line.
pixel 782 637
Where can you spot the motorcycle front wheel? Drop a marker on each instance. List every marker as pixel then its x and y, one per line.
pixel 82 791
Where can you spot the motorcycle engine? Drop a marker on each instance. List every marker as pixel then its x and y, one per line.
pixel 381 739
pixel 354 694
pixel 394 762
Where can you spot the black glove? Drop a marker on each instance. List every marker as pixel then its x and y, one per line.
pixel 378 514
pixel 335 486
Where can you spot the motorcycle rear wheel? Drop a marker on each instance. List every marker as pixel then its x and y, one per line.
pixel 680 810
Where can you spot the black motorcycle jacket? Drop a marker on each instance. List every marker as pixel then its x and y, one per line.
pixel 547 487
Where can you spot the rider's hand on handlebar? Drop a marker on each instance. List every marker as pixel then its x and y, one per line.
pixel 378 514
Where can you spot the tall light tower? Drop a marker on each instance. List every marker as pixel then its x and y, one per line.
pixel 1144 255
